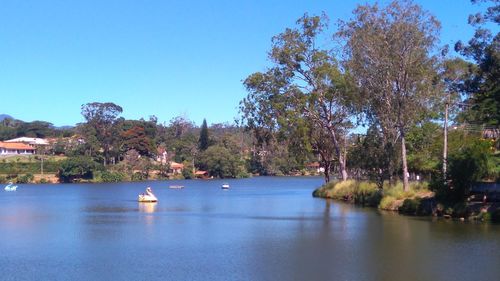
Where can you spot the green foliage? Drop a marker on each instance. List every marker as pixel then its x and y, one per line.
pixel 110 176
pixel 43 181
pixel 424 144
pixel 26 167
pixel 220 162
pixel 203 141
pixel 303 100
pixel 393 45
pixel 387 203
pixel 483 86
pixel 473 162
pixel 187 173
pixel 137 176
pixel 77 168
pixel 11 128
pixel 100 130
pixel 410 207
pixel 370 154
pixel 27 178
pixel 359 192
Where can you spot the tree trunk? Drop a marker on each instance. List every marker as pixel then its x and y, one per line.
pixel 342 166
pixel 340 155
pixel 406 185
pixel 445 145
pixel 327 174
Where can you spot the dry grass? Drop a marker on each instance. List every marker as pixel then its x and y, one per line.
pixel 391 197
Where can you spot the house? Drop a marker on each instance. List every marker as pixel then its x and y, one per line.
pixel 29 141
pixel 201 174
pixel 162 155
pixel 176 168
pixel 16 148
pixel 315 167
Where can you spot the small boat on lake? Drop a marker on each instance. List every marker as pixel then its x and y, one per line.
pixel 225 186
pixel 176 186
pixel 148 196
pixel 10 187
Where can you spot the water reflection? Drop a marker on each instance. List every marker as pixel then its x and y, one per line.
pixel 149 207
pixel 263 229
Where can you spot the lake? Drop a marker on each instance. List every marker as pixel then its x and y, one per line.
pixel 262 228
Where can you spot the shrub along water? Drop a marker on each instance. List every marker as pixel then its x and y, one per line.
pixel 368 194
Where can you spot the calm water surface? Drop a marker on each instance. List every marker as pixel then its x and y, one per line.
pixel 261 229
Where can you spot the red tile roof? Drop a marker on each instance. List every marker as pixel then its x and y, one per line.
pixel 175 165
pixel 15 145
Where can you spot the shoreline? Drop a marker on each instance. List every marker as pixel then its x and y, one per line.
pixel 419 203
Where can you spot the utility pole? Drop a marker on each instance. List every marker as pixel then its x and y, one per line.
pixel 445 145
pixel 41 157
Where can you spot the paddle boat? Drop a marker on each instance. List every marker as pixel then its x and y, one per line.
pixel 10 187
pixel 176 186
pixel 225 186
pixel 148 196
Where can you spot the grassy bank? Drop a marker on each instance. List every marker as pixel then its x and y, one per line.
pixel 368 194
pixel 419 200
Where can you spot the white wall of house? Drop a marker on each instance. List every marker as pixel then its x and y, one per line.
pixel 6 151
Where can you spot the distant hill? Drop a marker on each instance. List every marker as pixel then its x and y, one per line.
pixel 65 127
pixel 5 116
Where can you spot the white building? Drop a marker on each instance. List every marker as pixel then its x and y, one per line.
pixel 30 141
pixel 16 148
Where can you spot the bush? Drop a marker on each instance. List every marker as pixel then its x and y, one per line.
pixel 187 173
pixel 138 176
pixel 466 166
pixel 24 167
pixel 76 168
pixel 43 180
pixel 3 179
pixel 365 193
pixel 109 176
pixel 387 203
pixel 410 207
pixel 25 178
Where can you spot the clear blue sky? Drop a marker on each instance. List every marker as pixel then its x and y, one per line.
pixel 163 58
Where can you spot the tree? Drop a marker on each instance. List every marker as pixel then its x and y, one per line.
pixel 75 168
pixel 220 162
pixel 37 129
pixel 304 90
pixel 390 57
pixel 483 87
pixel 369 155
pixel 102 117
pixel 203 141
pixel 135 138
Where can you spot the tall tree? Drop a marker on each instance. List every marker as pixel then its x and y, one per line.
pixel 203 141
pixel 102 117
pixel 305 84
pixel 135 138
pixel 483 87
pixel 390 56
